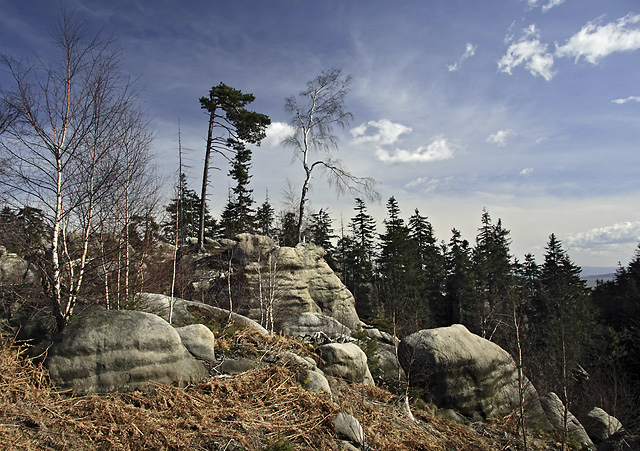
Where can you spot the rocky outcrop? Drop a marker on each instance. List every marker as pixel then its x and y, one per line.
pixel 554 409
pixel 346 361
pixel 302 280
pixel 308 323
pixel 187 312
pixel 15 271
pixel 119 350
pixel 458 370
pixel 600 425
pixel 348 427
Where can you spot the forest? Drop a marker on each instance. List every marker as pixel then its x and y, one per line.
pixel 80 202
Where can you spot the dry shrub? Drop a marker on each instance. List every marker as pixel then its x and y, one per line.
pixel 244 412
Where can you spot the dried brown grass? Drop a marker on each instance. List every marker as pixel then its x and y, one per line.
pixel 244 412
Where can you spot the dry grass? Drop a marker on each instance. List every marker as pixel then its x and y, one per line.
pixel 244 412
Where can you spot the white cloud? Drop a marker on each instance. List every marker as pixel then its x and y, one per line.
pixel 428 185
pixel 469 52
pixel 276 133
pixel 626 100
pixel 531 53
pixel 500 137
pixel 440 149
pixel 621 233
pixel 387 132
pixel 594 42
pixel 526 171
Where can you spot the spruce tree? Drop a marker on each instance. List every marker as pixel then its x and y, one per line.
pixel 460 283
pixel 265 215
pixel 238 215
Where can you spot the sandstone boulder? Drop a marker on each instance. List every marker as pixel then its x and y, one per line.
pixel 459 370
pixel 187 312
pixel 346 361
pixel 199 341
pixel 554 409
pixel 348 427
pixel 119 350
pixel 16 271
pixel 308 323
pixel 600 425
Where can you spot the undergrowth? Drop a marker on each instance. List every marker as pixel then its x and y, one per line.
pixel 257 410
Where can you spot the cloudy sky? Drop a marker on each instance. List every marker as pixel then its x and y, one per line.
pixel 528 108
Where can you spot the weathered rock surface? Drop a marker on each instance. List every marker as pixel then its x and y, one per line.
pixel 348 427
pixel 119 350
pixel 346 361
pixel 308 323
pixel 187 312
pixel 554 409
pixel 15 270
pixel 462 371
pixel 304 281
pixel 600 425
pixel 387 355
pixel 199 341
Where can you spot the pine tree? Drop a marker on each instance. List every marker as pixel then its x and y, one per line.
pixel 265 215
pixel 186 205
pixel 493 271
pixel 238 215
pixel 429 268
pixel 460 290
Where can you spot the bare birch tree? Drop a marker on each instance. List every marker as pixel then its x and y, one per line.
pixel 321 108
pixel 65 145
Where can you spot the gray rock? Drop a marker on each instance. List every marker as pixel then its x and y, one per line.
pixel 600 425
pixel 119 350
pixel 554 409
pixel 346 361
pixel 238 366
pixel 16 271
pixel 348 427
pixel 316 382
pixel 158 304
pixel 308 323
pixel 458 370
pixel 198 340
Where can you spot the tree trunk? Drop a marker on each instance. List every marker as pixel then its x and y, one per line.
pixel 205 177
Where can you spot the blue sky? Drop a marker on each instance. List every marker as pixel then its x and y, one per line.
pixel 528 108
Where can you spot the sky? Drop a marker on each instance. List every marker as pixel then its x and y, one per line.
pixel 529 109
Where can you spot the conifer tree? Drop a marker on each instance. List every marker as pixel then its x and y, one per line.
pixel 459 280
pixel 238 215
pixel 265 215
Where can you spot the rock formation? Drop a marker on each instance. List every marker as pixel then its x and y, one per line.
pixel 119 350
pixel 554 409
pixel 462 371
pixel 346 361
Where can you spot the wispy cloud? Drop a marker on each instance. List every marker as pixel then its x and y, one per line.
pixel 469 52
pixel 427 184
pixel 594 42
pixel 531 53
pixel 546 7
pixel 500 137
pixel 621 233
pixel 440 149
pixel 387 132
pixel 526 171
pixel 626 100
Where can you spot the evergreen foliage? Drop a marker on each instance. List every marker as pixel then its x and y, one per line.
pixel 186 204
pixel 238 215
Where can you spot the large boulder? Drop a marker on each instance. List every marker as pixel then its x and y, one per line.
pixel 554 408
pixel 346 361
pixel 458 370
pixel 600 425
pixel 119 350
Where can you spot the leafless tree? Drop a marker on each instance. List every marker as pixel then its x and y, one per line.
pixel 321 108
pixel 69 143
